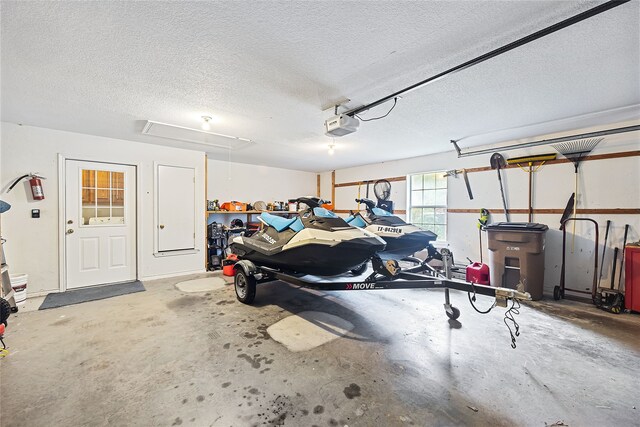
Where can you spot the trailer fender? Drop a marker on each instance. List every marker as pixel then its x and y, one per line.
pixel 247 266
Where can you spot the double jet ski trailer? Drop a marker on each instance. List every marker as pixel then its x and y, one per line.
pixel 317 242
pixel 387 274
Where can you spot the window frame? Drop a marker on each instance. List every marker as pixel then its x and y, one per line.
pixel 435 206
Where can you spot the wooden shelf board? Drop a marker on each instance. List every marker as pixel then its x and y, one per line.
pixel 251 212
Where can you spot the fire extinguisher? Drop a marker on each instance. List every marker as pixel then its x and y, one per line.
pixel 35 182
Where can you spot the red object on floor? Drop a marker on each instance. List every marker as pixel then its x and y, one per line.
pixel 1 329
pixel 227 264
pixel 227 270
pixel 632 278
pixel 478 273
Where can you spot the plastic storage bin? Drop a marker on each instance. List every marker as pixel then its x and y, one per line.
pixel 516 254
pixel 19 285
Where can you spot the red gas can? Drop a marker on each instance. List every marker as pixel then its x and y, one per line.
pixel 478 272
pixel 632 278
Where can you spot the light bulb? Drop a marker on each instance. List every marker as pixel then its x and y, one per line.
pixel 332 149
pixel 205 122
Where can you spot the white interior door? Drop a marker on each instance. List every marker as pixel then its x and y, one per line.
pixel 100 223
pixel 176 208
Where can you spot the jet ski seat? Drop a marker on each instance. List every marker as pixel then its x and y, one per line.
pixel 277 222
pixel 356 221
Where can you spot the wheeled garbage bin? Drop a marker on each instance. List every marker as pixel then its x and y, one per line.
pixel 516 254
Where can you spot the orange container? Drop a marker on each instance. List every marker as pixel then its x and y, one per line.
pixel 228 264
pixel 234 206
pixel 227 270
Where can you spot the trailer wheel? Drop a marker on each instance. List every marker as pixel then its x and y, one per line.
pixel 557 293
pixel 455 313
pixel 245 286
pixel 359 270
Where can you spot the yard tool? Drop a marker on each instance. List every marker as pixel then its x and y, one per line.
pixel 611 300
pixel 498 162
pixel 540 159
pixel 454 173
pixel 575 151
pixel 624 243
pixel 482 221
pixel 604 249
pixel 567 211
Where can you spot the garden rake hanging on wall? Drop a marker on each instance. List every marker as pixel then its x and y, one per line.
pixel 576 151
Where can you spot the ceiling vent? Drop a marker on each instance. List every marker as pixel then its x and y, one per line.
pixel 196 136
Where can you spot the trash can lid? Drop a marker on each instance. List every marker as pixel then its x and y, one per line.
pixel 517 226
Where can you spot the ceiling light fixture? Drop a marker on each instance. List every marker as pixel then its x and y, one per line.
pixel 197 136
pixel 205 122
pixel 332 149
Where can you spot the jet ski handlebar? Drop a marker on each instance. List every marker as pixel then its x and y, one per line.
pixel 370 204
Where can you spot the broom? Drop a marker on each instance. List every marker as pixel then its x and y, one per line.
pixel 575 151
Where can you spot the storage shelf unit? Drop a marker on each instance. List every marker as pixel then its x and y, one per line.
pixel 248 214
pixel 6 291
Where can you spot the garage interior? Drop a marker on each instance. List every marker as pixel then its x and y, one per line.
pixel 367 213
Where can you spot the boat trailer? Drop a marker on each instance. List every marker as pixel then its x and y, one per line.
pixel 386 275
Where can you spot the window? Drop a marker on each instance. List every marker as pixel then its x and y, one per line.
pixel 428 202
pixel 102 197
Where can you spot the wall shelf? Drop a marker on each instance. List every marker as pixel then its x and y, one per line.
pixel 251 212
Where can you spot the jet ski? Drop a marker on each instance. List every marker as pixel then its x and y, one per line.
pixel 318 242
pixel 403 239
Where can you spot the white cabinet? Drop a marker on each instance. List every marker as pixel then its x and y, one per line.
pixel 176 212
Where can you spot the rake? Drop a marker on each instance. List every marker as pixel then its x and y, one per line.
pixel 576 151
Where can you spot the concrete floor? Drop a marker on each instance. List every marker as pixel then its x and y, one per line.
pixel 162 357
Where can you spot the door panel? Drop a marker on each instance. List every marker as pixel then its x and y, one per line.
pixel 100 221
pixel 117 251
pixel 176 208
pixel 89 253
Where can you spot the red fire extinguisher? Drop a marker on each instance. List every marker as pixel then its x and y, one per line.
pixel 35 182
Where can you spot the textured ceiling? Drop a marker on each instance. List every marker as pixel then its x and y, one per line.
pixel 264 70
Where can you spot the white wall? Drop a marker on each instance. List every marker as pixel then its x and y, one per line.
pixel 32 246
pixel 611 183
pixel 249 183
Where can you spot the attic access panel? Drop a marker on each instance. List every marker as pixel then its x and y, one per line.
pixel 196 136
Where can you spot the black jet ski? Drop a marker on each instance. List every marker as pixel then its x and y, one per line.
pixel 318 242
pixel 403 239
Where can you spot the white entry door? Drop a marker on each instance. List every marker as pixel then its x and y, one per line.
pixel 100 223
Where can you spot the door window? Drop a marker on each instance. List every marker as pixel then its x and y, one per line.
pixel 102 197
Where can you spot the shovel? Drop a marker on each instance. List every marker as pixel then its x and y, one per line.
pixel 498 162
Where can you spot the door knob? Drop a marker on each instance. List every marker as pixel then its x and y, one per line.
pixel 70 221
pixel 70 231
pixel 161 226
